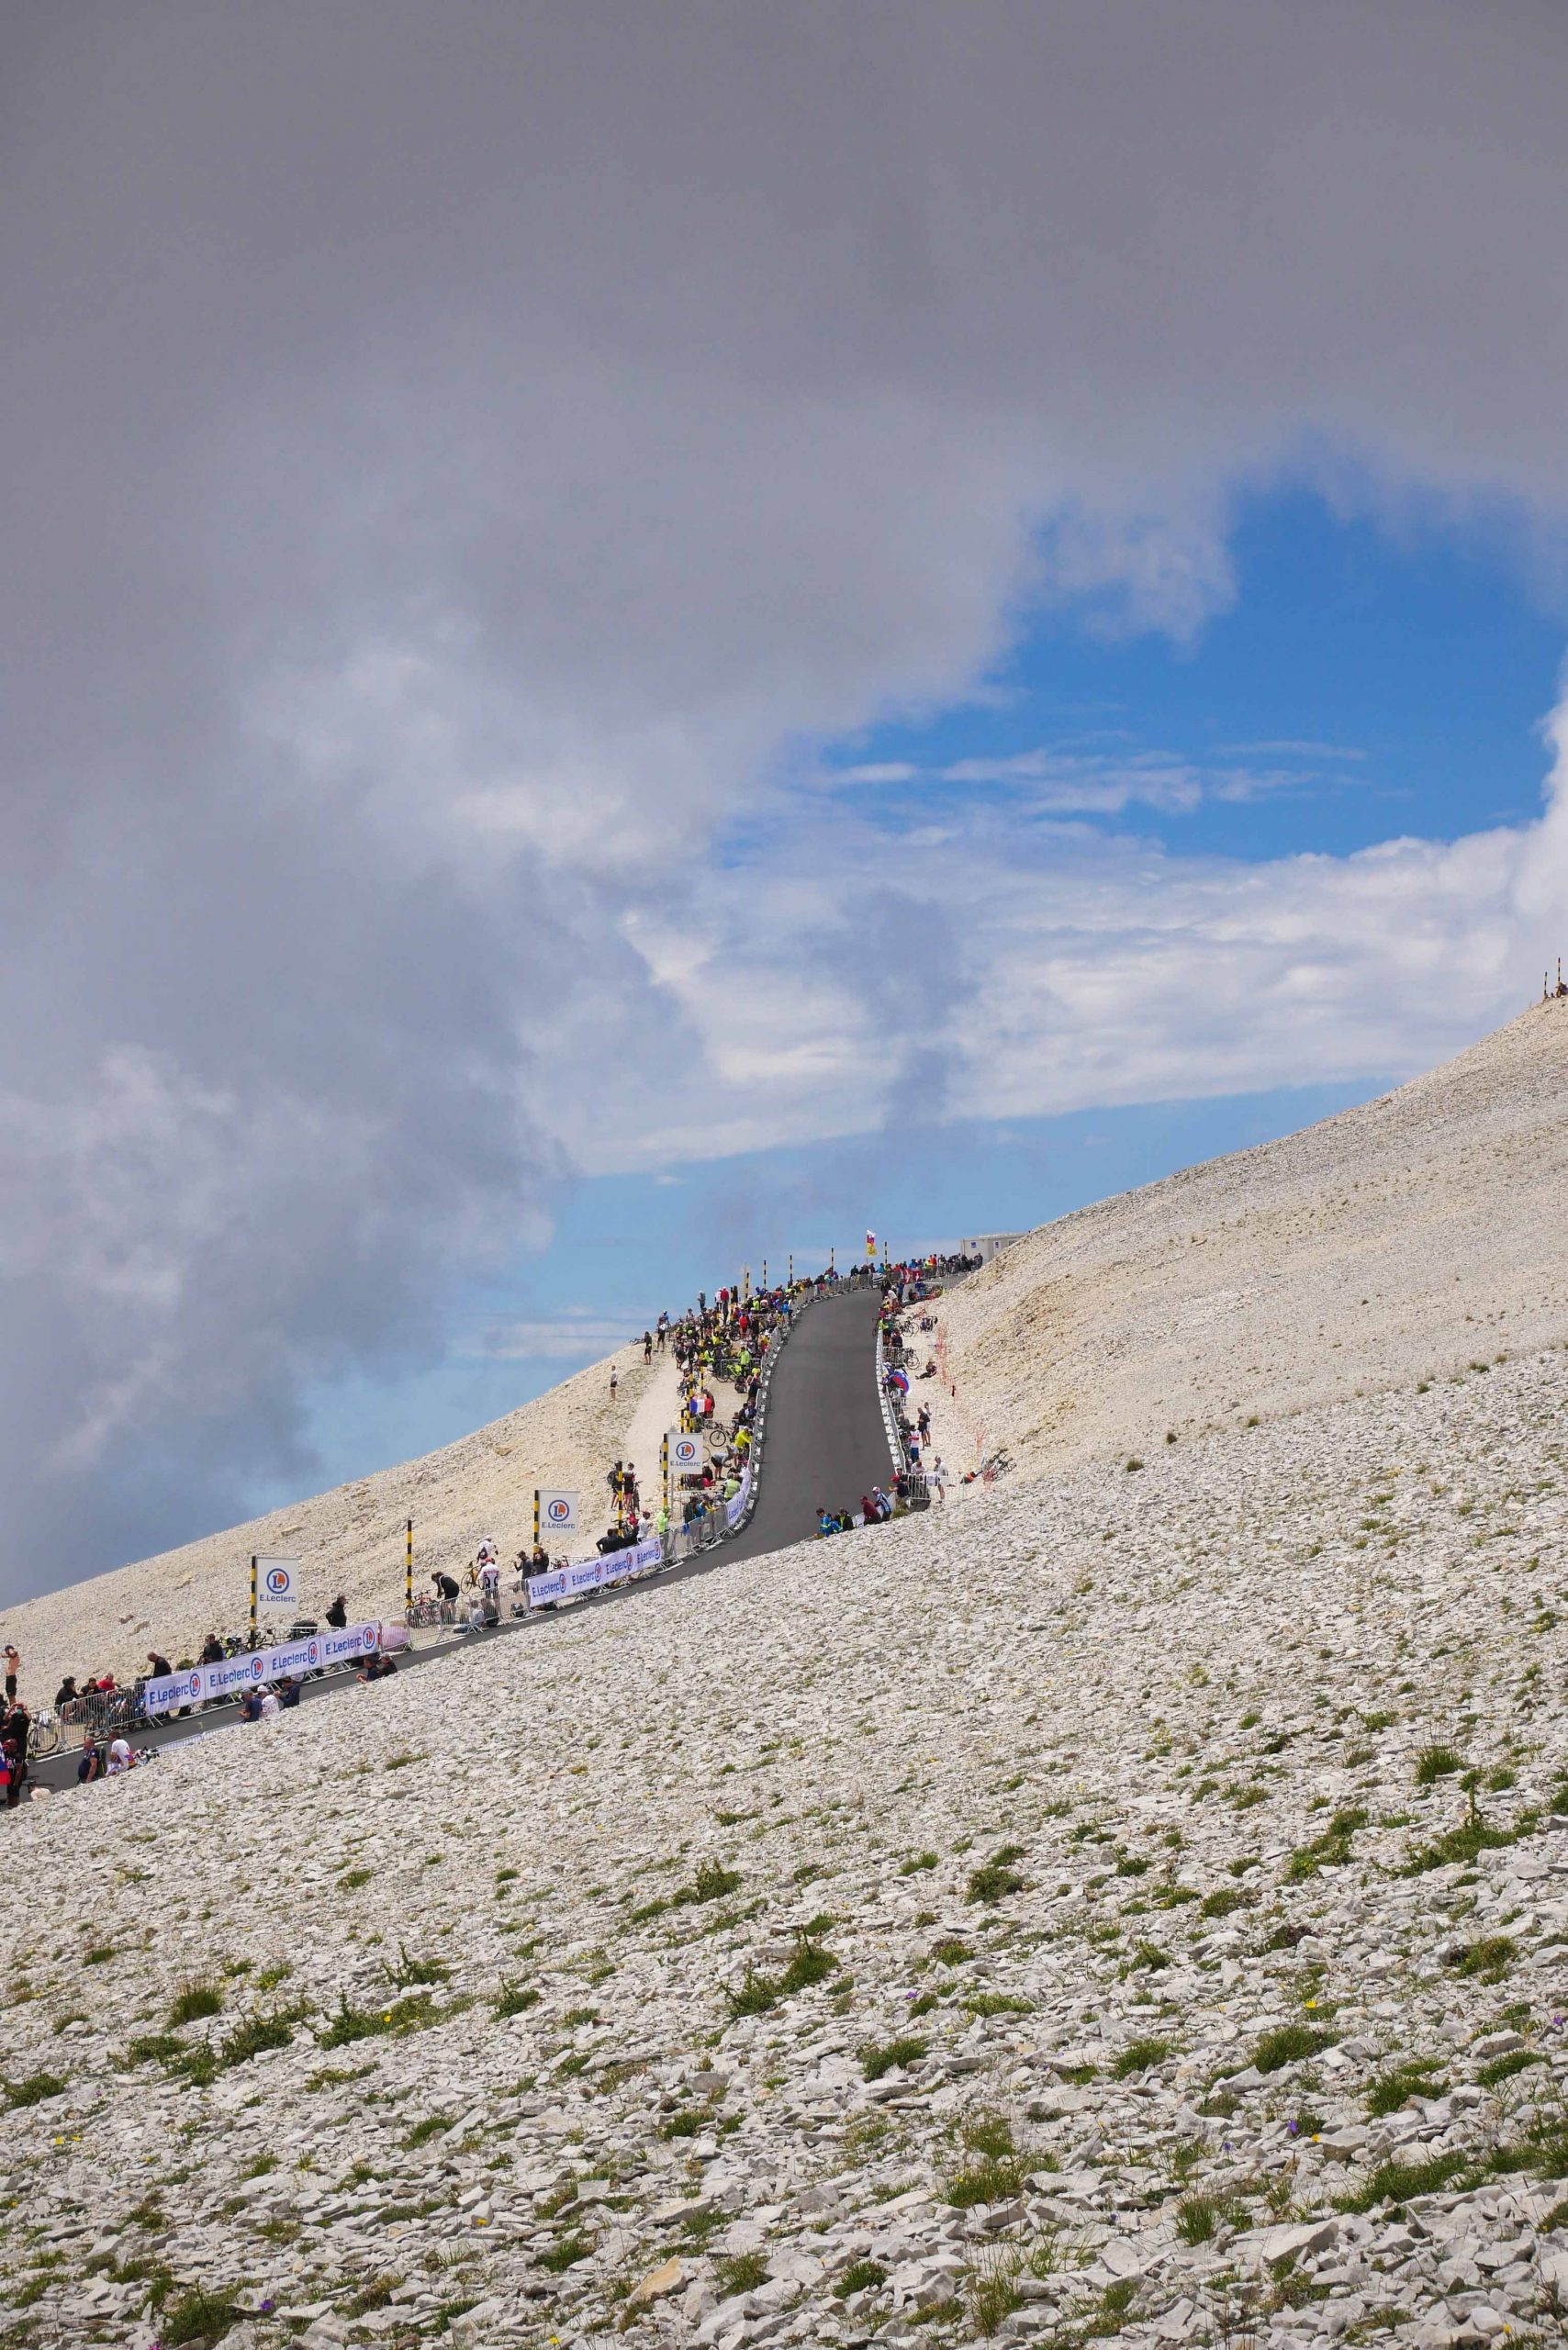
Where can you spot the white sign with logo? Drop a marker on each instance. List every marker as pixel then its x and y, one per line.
pixel 685 1454
pixel 277 1583
pixel 557 1512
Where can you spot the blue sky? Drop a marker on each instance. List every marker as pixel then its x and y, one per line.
pixel 1372 675
pixel 1366 678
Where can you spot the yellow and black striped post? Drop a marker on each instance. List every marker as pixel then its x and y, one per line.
pixel 408 1566
pixel 791 1268
pixel 252 1600
pixel 536 1517
pixel 664 1469
pixel 765 1277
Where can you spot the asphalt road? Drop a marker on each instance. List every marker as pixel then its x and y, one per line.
pixel 825 1445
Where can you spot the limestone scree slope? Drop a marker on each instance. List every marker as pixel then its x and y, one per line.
pixel 1407 1235
pixel 1133 1906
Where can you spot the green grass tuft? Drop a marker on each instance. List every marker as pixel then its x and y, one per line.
pixel 197 1999
pixel 1396 2182
pixel 860 2277
pixel 996 1878
pixel 1485 1961
pixel 1288 2046
pixel 513 1997
pixel 34 2089
pixel 875 2062
pixel 1140 2056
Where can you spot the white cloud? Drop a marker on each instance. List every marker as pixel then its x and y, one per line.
pixel 528 451
pixel 582 1340
pixel 1098 970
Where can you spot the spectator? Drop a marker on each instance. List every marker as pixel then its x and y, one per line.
pixel 250 1705
pixel 288 1696
pixel 269 1708
pixel 378 1668
pixel 447 1589
pixel 67 1694
pixel 122 1759
pixel 13 1667
pixel 90 1762
pixel 158 1667
pixel 338 1614
pixel 937 1478
pixel 211 1649
pixel 14 1740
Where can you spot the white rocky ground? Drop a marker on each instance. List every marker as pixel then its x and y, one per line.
pixel 350 1539
pixel 1169 1981
pixel 1412 1234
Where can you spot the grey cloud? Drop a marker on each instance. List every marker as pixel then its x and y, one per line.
pixel 456 456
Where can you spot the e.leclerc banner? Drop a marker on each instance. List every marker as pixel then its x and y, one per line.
pixel 201 1683
pixel 616 1566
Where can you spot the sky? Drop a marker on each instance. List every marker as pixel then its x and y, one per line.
pixel 635 637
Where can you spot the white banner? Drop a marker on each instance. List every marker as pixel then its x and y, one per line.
pixel 593 1574
pixel 685 1454
pixel 201 1683
pixel 557 1512
pixel 276 1582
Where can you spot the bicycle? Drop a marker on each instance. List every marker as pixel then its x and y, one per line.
pixel 45 1737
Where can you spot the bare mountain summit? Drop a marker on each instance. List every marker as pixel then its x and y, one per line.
pixel 1397 1241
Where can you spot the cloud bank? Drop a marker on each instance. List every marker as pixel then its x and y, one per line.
pixel 465 463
